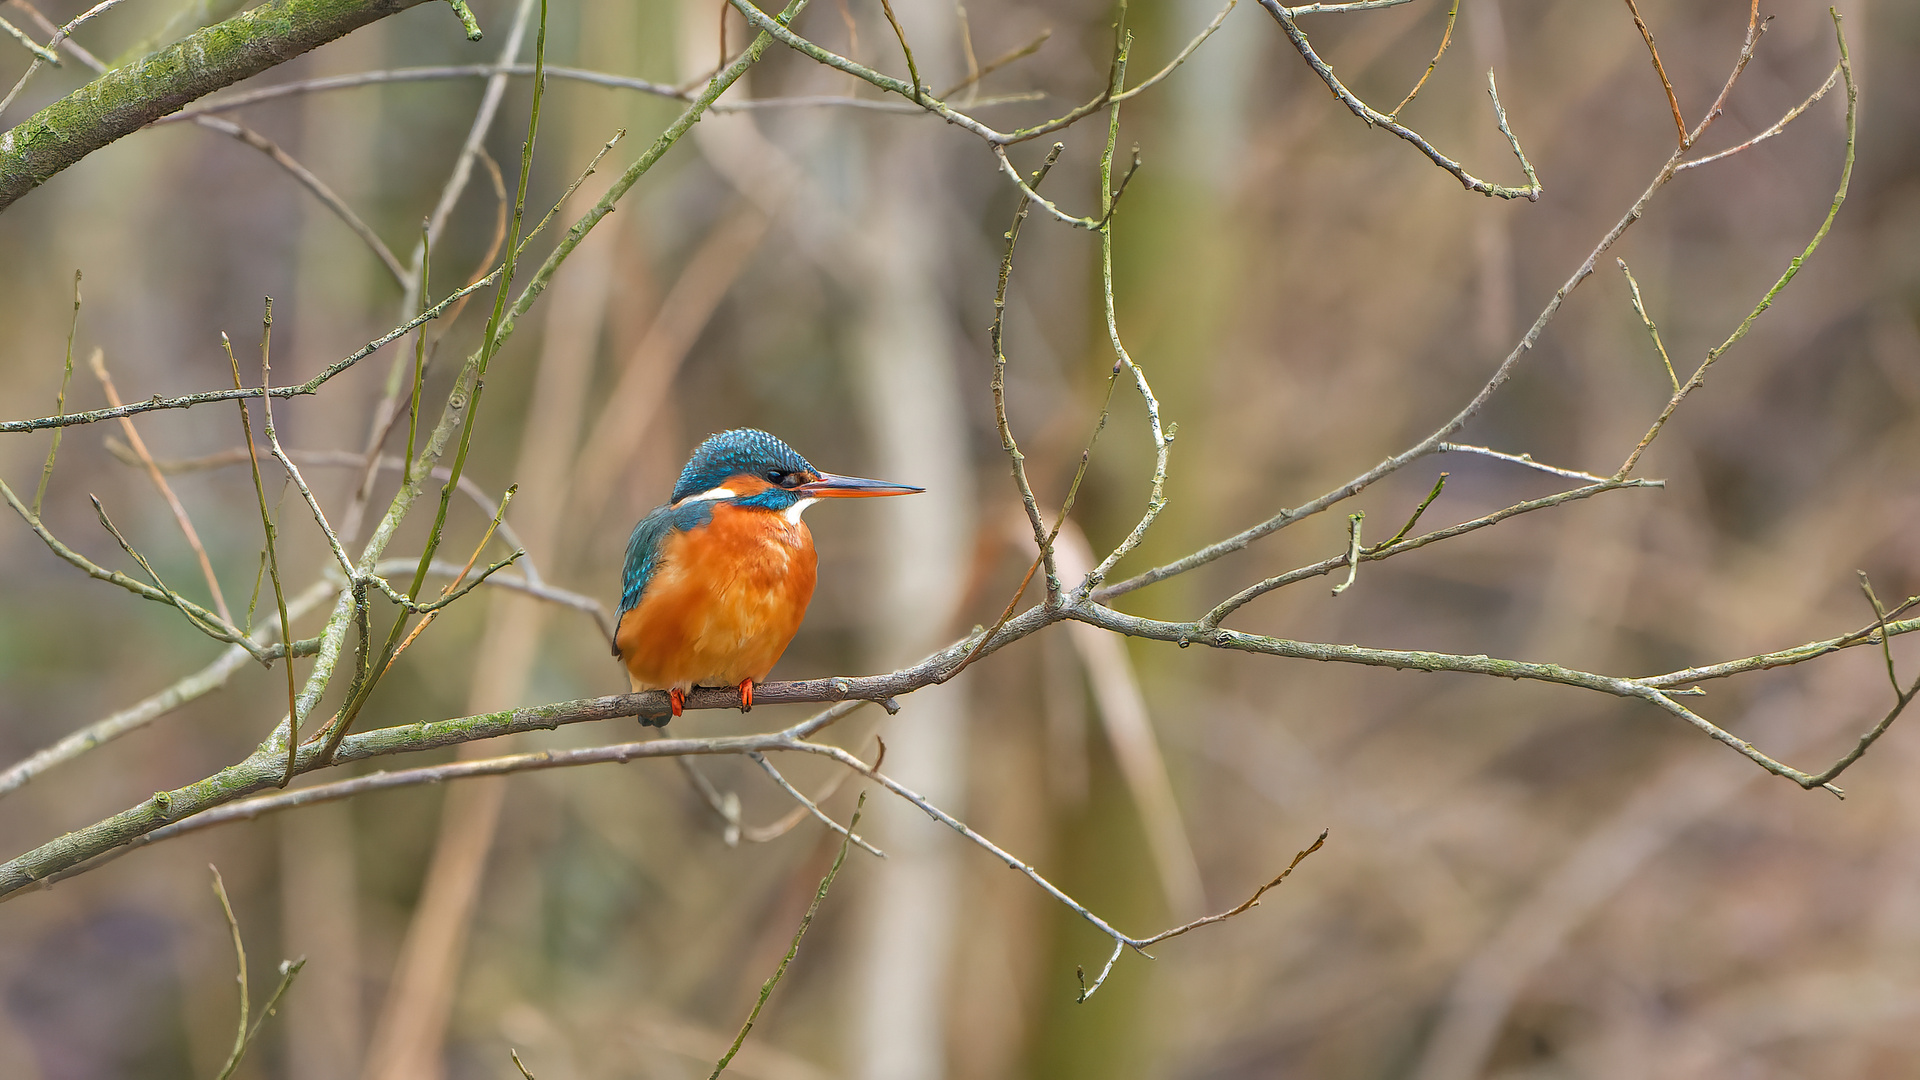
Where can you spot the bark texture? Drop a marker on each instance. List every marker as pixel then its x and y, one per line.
pixel 126 99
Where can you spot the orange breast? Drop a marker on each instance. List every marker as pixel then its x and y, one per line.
pixel 723 603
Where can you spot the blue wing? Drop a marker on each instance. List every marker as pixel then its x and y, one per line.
pixel 643 547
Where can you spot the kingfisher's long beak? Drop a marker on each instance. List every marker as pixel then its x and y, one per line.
pixel 830 486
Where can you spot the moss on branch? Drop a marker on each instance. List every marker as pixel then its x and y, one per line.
pixel 125 99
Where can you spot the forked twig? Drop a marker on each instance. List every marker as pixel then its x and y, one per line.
pixel 1699 377
pixel 1375 118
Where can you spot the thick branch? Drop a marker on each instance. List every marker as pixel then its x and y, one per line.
pixel 125 99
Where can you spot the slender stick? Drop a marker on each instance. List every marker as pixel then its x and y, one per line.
pixel 60 402
pixel 187 401
pixel 139 447
pixel 1640 309
pixel 1446 38
pixel 240 955
pixel 267 525
pixel 1699 378
pixel 1375 118
pixel 766 988
pixel 913 70
pixel 1679 121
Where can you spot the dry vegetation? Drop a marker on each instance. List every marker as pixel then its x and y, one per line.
pixel 1522 879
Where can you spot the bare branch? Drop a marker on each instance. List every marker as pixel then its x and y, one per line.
pixel 1527 460
pixel 314 185
pixel 1640 309
pixel 194 686
pixel 187 401
pixel 123 100
pixel 1646 34
pixel 1777 127
pixel 1699 378
pixel 1446 38
pixel 99 364
pixel 811 807
pixel 766 989
pixel 1375 118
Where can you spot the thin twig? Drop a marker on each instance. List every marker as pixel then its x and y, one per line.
pixel 40 53
pixel 1400 547
pixel 1375 118
pixel 1793 268
pixel 1042 539
pixel 1526 460
pixel 387 76
pixel 975 74
pixel 766 988
pixel 240 955
pixel 187 401
pixel 266 522
pixel 1161 438
pixel 811 807
pixel 60 402
pixel 194 686
pixel 1502 373
pixel 1640 309
pixel 319 189
pixel 1446 38
pixel 207 622
pixel 1180 57
pixel 1353 551
pixel 1679 122
pixel 1342 8
pixel 1880 617
pixel 244 1034
pixel 913 70
pixel 1439 485
pixel 56 41
pixel 1778 126
pixel 139 447
pixel 539 590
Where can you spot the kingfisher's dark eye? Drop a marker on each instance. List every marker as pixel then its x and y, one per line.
pixel 774 476
pixel 783 479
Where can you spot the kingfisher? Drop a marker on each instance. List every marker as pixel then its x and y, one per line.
pixel 718 579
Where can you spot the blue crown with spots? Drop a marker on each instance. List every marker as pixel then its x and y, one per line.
pixel 732 453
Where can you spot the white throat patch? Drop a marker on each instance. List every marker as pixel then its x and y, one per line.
pixel 793 512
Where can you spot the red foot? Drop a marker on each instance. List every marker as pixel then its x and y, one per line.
pixel 678 697
pixel 746 695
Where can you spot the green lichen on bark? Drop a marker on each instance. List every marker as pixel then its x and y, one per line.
pixel 123 100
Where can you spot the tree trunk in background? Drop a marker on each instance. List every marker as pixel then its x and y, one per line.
pixel 410 1041
pixel 908 390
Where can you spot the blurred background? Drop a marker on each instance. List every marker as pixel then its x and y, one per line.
pixel 1520 881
